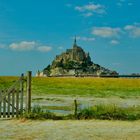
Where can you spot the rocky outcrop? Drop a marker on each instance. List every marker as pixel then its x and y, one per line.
pixel 75 62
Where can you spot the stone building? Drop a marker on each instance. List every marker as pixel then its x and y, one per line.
pixel 74 62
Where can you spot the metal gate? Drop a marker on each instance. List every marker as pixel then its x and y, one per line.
pixel 15 100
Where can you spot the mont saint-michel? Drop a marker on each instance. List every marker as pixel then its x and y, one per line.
pixel 75 62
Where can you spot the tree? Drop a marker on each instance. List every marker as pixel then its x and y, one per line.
pixel 48 68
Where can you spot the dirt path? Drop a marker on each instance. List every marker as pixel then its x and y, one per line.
pixel 69 130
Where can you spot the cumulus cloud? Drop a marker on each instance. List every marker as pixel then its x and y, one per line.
pixel 106 32
pixel 114 42
pixel 120 3
pixel 29 46
pixel 44 48
pixel 23 46
pixel 90 8
pixel 89 14
pixel 128 27
pixel 85 38
pixel 133 30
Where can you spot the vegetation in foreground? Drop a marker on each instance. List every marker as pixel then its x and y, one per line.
pixel 39 113
pixel 97 87
pixel 109 112
pixel 102 112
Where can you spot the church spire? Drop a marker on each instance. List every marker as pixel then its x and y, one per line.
pixel 75 42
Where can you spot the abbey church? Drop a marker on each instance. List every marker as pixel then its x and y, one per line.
pixel 74 62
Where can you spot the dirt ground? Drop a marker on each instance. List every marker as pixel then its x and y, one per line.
pixel 69 130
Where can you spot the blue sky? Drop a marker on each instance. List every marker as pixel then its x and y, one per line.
pixel 33 32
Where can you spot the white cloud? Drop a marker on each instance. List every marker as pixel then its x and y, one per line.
pixel 133 30
pixel 106 32
pixel 89 14
pixel 90 8
pixel 85 38
pixel 129 27
pixel 23 46
pixel 114 42
pixel 44 48
pixel 29 46
pixel 136 32
pixel 121 3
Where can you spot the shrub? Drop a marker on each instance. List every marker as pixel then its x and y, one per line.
pixel 38 113
pixel 103 112
pixel 109 112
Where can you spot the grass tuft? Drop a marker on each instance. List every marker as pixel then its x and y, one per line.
pixel 38 113
pixel 102 112
pixel 109 112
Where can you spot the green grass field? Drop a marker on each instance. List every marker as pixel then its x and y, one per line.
pixel 58 94
pixel 96 87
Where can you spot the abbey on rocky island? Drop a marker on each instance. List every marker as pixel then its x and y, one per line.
pixel 75 62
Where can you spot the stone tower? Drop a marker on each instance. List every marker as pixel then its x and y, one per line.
pixel 74 48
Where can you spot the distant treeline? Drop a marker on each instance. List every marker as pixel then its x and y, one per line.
pixel 121 76
pixel 102 76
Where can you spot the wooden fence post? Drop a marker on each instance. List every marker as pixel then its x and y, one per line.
pixel 4 107
pixel 8 109
pixel 28 104
pixel 75 108
pixel 21 93
pixel 13 104
pixel 0 104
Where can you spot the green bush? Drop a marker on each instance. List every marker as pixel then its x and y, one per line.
pixel 109 112
pixel 38 113
pixel 103 112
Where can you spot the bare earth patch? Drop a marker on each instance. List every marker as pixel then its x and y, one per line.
pixel 69 130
